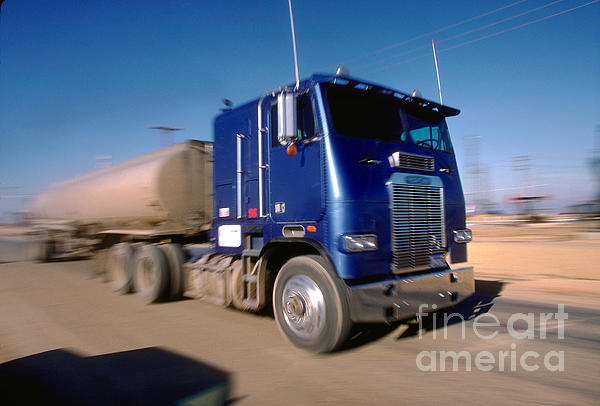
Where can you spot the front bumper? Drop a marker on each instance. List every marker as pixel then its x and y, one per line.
pixel 400 298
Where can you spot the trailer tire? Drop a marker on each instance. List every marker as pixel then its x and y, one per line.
pixel 174 257
pixel 45 250
pixel 150 274
pixel 119 267
pixel 310 305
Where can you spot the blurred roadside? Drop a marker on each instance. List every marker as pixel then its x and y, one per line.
pixel 555 260
pixel 15 244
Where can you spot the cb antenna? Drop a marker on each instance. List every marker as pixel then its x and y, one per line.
pixel 294 44
pixel 437 71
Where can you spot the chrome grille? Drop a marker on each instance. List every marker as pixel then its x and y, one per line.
pixel 411 161
pixel 417 225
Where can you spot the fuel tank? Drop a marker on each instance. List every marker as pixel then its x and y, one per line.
pixel 168 190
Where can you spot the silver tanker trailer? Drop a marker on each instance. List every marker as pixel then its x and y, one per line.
pixel 162 196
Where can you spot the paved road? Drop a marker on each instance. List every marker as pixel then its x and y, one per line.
pixel 59 305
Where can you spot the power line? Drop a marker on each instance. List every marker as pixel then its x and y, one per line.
pixel 462 34
pixel 378 51
pixel 485 36
pixel 522 25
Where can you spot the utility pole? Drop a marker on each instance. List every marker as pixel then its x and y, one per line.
pixel 473 173
pixel 528 197
pixel 489 202
pixel 521 168
pixel 166 134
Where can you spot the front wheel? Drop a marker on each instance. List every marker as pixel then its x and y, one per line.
pixel 310 305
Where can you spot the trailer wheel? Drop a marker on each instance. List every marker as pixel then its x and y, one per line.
pixel 119 267
pixel 174 256
pixel 45 249
pixel 310 305
pixel 150 275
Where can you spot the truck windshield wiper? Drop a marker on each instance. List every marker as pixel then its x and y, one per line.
pixel 368 158
pixel 368 161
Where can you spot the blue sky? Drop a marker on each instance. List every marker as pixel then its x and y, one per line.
pixel 85 79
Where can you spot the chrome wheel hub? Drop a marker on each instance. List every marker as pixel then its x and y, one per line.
pixel 303 306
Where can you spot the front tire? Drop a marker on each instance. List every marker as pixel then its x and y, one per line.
pixel 310 305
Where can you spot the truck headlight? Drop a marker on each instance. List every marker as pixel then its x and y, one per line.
pixel 462 236
pixel 359 243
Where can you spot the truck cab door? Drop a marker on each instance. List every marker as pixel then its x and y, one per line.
pixel 295 184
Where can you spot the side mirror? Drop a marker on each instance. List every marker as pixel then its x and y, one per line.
pixel 287 131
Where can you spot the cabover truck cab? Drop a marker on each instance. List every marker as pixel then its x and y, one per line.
pixel 338 201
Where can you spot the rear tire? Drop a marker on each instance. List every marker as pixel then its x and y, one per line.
pixel 119 267
pixel 150 275
pixel 46 250
pixel 43 247
pixel 174 257
pixel 310 305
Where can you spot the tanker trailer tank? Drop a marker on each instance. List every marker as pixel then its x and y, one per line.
pixel 163 194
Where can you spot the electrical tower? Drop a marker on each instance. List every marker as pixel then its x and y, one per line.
pixel 527 199
pixel 473 172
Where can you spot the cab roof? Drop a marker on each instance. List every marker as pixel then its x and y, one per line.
pixel 417 102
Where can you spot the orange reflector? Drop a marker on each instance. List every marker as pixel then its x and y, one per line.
pixel 311 229
pixel 292 150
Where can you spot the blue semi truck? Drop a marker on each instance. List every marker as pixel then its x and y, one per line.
pixel 343 203
pixel 335 201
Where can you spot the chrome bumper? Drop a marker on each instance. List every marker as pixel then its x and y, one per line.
pixel 400 298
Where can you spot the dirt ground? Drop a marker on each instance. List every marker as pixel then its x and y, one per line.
pixel 57 309
pixel 538 259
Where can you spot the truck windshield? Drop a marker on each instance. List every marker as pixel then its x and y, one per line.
pixel 359 114
pixel 429 136
pixel 363 114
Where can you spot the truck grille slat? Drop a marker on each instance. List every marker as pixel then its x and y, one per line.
pixel 412 161
pixel 417 225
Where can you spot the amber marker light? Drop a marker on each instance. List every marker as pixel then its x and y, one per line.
pixel 292 150
pixel 311 229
